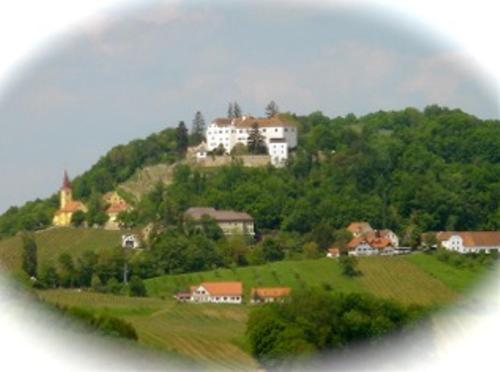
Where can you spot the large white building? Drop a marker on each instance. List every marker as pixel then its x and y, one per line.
pixel 279 135
pixel 470 241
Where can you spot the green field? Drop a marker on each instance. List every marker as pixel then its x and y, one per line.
pixel 458 279
pixel 52 242
pixel 390 277
pixel 211 334
pixel 214 334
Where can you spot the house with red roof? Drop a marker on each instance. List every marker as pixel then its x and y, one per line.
pixel 216 292
pixel 370 245
pixel 469 241
pixel 269 294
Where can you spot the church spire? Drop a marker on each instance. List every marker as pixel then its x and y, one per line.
pixel 66 181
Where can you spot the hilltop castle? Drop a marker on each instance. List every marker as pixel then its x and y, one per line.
pixel 67 206
pixel 279 135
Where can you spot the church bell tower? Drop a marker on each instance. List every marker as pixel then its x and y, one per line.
pixel 66 195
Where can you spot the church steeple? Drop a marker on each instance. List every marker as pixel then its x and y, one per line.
pixel 66 181
pixel 66 196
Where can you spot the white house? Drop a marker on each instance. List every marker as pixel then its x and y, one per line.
pixel 371 246
pixel 333 252
pixel 279 135
pixel 131 241
pixel 217 292
pixel 470 241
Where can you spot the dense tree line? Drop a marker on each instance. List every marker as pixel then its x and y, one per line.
pixel 317 321
pixel 410 170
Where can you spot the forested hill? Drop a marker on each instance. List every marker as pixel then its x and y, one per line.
pixel 409 170
pixel 115 167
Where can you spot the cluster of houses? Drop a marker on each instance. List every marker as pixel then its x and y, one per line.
pixel 367 241
pixel 231 293
pixel 278 134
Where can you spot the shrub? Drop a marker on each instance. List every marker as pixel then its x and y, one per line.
pixel 136 287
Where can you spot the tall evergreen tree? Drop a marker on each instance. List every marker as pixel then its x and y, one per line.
pixel 181 135
pixel 230 110
pixel 237 110
pixel 272 109
pixel 256 141
pixel 198 129
pixel 30 255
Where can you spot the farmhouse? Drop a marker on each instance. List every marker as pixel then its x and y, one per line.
pixel 116 204
pixel 231 222
pixel 278 134
pixel 67 206
pixel 333 252
pixel 217 292
pixel 265 295
pixel 363 229
pixel 470 241
pixel 370 246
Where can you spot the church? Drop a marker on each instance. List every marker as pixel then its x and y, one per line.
pixel 67 206
pixel 114 203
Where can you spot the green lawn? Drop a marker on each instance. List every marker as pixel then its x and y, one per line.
pixel 52 242
pixel 458 279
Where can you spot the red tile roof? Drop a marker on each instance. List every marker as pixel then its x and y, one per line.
pixel 117 208
pixel 248 122
pixel 473 238
pixel 71 207
pixel 223 288
pixel 359 227
pixel 270 292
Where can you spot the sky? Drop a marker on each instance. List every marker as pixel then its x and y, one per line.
pixel 127 74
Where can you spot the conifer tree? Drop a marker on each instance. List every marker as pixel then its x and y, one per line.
pixel 230 110
pixel 198 129
pixel 272 109
pixel 256 141
pixel 181 135
pixel 236 110
pixel 30 255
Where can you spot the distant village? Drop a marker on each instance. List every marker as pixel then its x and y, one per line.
pixel 280 137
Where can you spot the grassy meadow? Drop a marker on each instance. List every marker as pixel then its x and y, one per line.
pixel 52 242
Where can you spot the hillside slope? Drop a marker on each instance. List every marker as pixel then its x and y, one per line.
pixel 398 278
pixel 52 242
pixel 145 179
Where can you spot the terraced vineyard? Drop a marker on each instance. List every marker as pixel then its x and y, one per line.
pixel 211 334
pixel 214 334
pixel 52 242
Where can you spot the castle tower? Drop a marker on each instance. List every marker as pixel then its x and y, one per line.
pixel 65 195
